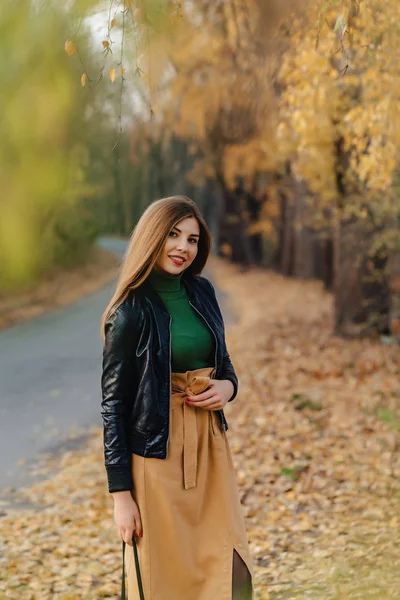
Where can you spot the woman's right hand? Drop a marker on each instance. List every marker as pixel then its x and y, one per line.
pixel 127 516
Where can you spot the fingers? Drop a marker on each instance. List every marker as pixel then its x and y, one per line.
pixel 206 395
pixel 128 536
pixel 207 402
pixel 127 533
pixel 138 525
pixel 215 405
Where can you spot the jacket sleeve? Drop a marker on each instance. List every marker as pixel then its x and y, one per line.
pixel 227 370
pixel 117 384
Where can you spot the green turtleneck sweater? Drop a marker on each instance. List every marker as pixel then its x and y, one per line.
pixel 192 342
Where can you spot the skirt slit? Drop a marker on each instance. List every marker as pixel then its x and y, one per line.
pixel 241 578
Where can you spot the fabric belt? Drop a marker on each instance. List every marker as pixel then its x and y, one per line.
pixel 183 385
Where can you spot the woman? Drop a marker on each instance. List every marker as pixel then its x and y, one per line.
pixel 166 378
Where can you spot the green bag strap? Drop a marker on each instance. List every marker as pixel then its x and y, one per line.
pixel 139 579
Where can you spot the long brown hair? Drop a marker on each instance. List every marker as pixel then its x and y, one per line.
pixel 147 241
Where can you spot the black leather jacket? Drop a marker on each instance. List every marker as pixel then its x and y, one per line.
pixel 136 377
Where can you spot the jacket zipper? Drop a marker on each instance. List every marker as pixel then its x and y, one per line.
pixel 216 345
pixel 170 383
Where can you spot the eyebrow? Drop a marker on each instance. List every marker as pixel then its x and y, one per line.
pixel 192 234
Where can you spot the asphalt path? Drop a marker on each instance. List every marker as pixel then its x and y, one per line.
pixel 50 373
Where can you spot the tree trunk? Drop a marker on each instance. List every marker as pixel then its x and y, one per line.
pixel 287 238
pixel 394 311
pixel 361 284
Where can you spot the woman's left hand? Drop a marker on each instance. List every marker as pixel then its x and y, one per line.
pixel 215 397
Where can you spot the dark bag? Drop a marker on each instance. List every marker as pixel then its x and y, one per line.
pixel 139 579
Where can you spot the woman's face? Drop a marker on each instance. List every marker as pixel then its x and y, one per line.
pixel 182 241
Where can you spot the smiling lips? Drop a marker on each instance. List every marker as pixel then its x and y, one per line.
pixel 177 259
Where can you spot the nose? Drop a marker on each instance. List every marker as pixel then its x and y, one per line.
pixel 182 245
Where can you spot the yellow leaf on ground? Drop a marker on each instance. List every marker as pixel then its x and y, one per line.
pixel 112 75
pixel 113 22
pixel 83 79
pixel 105 43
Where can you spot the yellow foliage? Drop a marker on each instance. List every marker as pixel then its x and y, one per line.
pixel 137 13
pixel 42 173
pixel 320 105
pixel 336 97
pixel 70 47
pixel 263 226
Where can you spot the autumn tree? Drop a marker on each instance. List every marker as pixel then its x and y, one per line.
pixel 338 128
pixel 290 119
pixel 44 221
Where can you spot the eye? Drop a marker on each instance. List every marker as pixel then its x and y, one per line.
pixel 191 239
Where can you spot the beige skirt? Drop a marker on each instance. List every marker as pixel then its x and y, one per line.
pixel 189 505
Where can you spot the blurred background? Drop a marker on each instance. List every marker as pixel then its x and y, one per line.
pixel 280 118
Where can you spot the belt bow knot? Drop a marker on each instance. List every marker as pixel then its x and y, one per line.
pixel 194 386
